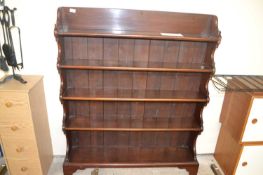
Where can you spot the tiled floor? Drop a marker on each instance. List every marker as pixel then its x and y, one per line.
pixel 204 168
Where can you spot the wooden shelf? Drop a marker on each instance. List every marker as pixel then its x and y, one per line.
pixel 132 95
pixel 85 64
pixel 76 123
pixel 78 165
pixel 137 35
pixel 127 155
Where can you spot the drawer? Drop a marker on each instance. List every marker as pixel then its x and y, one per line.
pixel 18 128
pixel 24 167
pixel 14 105
pixel 24 116
pixel 254 126
pixel 15 117
pixel 250 161
pixel 20 148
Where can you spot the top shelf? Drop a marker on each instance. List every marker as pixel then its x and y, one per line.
pixel 123 23
pixel 138 35
pixel 100 64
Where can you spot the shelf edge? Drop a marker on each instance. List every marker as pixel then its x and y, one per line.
pixel 135 129
pixel 201 100
pixel 135 69
pixel 138 36
pixel 150 164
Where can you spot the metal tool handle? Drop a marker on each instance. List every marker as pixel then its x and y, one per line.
pixel 3 24
pixel 6 19
pixel 13 16
pixel 2 3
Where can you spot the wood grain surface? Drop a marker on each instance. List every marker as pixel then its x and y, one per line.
pixel 133 85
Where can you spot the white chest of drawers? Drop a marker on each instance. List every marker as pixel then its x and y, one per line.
pixel 239 148
pixel 24 129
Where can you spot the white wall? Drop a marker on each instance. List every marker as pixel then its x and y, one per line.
pixel 240 51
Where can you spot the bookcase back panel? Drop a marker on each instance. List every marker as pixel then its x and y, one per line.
pixel 98 83
pixel 132 147
pixel 132 139
pixel 134 52
pixel 120 147
pixel 96 110
pixel 96 115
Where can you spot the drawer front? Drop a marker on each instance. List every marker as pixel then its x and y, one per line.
pixel 15 117
pixel 20 148
pixel 250 161
pixel 254 126
pixel 19 128
pixel 24 167
pixel 14 106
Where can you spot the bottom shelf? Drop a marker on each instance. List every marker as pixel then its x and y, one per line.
pixel 130 156
pixel 91 149
pixel 70 167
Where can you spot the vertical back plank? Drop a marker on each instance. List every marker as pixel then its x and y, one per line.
pixel 141 57
pixel 126 52
pixel 79 48
pixel 95 58
pixel 137 110
pixel 95 51
pixel 111 52
pixel 153 83
pixel 171 54
pixel 110 83
pixel 192 52
pixel 111 114
pixel 134 145
pixel 156 53
pixel 187 82
pixel 96 112
pixel 139 84
pixel 141 53
pixel 125 83
pixel 95 81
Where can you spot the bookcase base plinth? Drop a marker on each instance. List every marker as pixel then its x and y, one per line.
pixel 69 168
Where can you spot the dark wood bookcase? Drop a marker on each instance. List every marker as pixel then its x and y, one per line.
pixel 133 86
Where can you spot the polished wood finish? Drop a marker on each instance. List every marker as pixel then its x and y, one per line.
pixel 227 151
pixel 237 112
pixel 133 86
pixel 134 99
pixel 123 23
pixel 136 116
pixel 155 66
pixel 158 124
pixel 70 168
pixel 234 118
pixel 134 69
pixel 24 127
